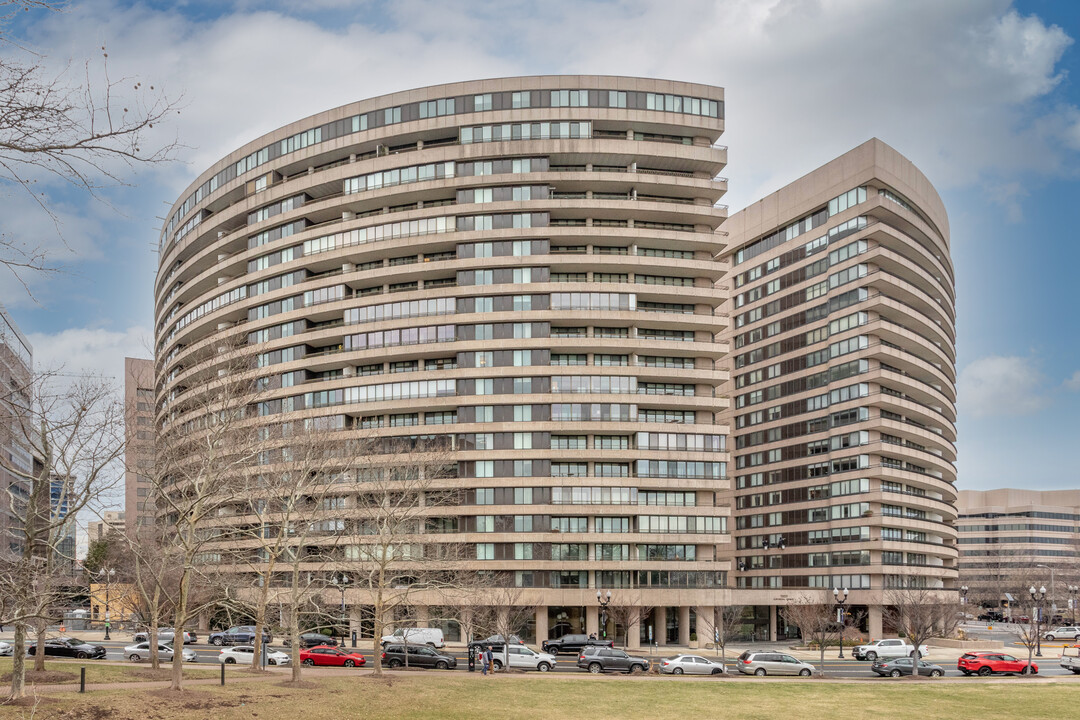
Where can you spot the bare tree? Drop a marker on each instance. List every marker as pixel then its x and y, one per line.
pixel 84 129
pixel 73 433
pixel 816 619
pixel 400 484
pixel 629 613
pixel 507 612
pixel 920 613
pixel 201 459
pixel 722 625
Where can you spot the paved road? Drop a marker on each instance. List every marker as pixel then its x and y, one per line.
pixel 847 668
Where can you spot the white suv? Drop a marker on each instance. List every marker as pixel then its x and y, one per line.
pixel 893 648
pixel 1073 633
pixel 524 658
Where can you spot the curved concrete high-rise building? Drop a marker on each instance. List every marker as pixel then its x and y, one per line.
pixel 843 387
pixel 524 268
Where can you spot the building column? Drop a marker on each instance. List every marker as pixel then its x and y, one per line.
pixel 772 623
pixel 684 625
pixel 873 622
pixel 541 624
pixel 660 626
pixel 423 616
pixel 633 634
pixel 704 616
pixel 592 620
pixel 204 621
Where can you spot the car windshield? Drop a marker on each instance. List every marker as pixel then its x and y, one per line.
pixel 73 641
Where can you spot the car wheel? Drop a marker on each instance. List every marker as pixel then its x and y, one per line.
pixel 230 661
pixel 497 664
pixel 395 663
pixel 133 657
pixel 716 671
pixel 217 641
pixel 760 672
pixel 543 667
pixel 871 656
pixel 911 654
pixel 984 671
pixel 1051 637
pixel 804 673
pixel 441 665
pixel 309 662
pixel 966 673
pixel 595 668
pixel 350 663
pixel 81 655
pixel 677 671
pixel 636 668
pixel 935 673
pixel 894 673
pixel 1026 670
pixel 271 661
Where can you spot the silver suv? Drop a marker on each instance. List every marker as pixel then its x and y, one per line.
pixel 772 663
pixel 602 659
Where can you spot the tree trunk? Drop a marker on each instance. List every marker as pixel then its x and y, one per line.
pixel 18 662
pixel 824 639
pixel 181 620
pixel 39 651
pixel 379 630
pixel 155 659
pixel 260 621
pixel 915 658
pixel 294 626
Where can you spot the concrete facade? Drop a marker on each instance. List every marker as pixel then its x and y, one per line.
pixel 139 441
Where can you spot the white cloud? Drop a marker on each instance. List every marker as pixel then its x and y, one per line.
pixel 90 351
pixel 1073 383
pixel 997 386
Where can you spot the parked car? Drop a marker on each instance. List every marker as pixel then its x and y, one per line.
pixel 988 662
pixel 906 666
pixel 497 640
pixel 1070 659
pixel 573 643
pixel 70 647
pixel 331 655
pixel 239 635
pixel 421 656
pixel 312 639
pixel 416 636
pixel 523 658
pixel 141 651
pixel 166 635
pixel 991 616
pixel 772 663
pixel 887 648
pixel 244 654
pixel 1069 632
pixel 6 649
pixel 690 665
pixel 601 659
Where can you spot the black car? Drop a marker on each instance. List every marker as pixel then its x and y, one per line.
pixel 420 656
pixel 238 635
pixel 904 666
pixel 70 647
pixel 573 643
pixel 602 659
pixel 310 640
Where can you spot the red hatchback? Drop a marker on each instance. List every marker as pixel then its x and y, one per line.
pixel 329 655
pixel 988 663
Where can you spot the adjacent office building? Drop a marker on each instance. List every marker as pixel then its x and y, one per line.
pixel 532 272
pixel 139 442
pixel 111 521
pixel 16 371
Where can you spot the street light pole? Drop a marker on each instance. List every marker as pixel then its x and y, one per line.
pixel 963 595
pixel 603 612
pixel 841 599
pixel 108 573
pixel 341 582
pixel 1038 596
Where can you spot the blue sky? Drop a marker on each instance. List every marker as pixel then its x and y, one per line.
pixel 982 96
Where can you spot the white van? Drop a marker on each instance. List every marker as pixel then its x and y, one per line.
pixel 415 636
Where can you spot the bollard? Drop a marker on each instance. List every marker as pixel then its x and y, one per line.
pixel 82 679
pixel 222 673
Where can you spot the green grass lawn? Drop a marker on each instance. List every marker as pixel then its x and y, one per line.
pixel 447 696
pixel 99 672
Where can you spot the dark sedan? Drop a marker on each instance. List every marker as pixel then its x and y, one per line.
pixel 238 635
pixel 70 647
pixel 310 640
pixel 905 666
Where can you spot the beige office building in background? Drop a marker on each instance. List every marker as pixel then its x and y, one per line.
pixel 139 438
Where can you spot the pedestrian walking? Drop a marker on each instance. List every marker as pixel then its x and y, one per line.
pixel 483 662
pixel 490 659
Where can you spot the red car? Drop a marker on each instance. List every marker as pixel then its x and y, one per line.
pixel 329 655
pixel 987 663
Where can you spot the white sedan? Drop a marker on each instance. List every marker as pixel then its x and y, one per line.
pixel 523 658
pixel 141 651
pixel 690 665
pixel 6 649
pixel 243 655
